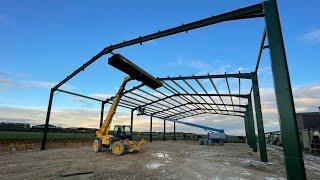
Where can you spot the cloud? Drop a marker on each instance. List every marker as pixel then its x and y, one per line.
pixel 8 81
pixel 306 97
pixel 311 37
pixel 201 66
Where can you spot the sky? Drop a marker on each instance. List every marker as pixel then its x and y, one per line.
pixel 41 42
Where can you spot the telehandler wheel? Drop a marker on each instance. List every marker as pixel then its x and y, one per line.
pixel 118 148
pixel 97 145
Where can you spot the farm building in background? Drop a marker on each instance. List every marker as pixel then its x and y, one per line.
pixel 308 128
pixel 50 127
pixel 14 126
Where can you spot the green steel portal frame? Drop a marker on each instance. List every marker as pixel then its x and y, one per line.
pixel 269 11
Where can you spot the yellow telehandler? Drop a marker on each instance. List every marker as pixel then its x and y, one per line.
pixel 122 141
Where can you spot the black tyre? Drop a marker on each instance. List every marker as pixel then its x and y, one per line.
pixel 118 148
pixel 97 145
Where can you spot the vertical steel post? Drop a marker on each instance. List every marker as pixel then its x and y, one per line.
pixel 131 121
pixel 251 126
pixel 101 115
pixel 174 130
pixel 259 119
pixel 246 129
pixel 45 133
pixel 150 132
pixel 291 144
pixel 164 130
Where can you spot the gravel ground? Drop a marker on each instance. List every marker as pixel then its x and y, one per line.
pixel 158 160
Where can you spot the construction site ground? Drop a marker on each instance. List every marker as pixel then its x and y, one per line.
pixel 157 160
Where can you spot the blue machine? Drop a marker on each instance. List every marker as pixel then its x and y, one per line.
pixel 214 135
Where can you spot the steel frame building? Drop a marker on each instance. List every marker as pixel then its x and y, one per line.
pixel 181 103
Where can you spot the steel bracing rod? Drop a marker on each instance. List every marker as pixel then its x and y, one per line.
pixel 137 105
pixel 153 100
pixel 174 91
pixel 230 92
pixel 213 76
pixel 263 39
pixel 173 81
pixel 186 82
pixel 216 89
pixel 80 95
pixel 207 93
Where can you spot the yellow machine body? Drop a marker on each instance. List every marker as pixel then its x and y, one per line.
pixel 118 144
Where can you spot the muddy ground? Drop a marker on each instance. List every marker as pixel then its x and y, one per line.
pixel 159 160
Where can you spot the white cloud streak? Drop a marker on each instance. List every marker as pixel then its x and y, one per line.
pixel 312 37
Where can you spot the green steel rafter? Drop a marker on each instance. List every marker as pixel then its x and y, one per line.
pixel 186 82
pixel 213 76
pixel 182 105
pixel 216 89
pixel 174 82
pixel 172 105
pixel 229 92
pixel 174 91
pixel 201 86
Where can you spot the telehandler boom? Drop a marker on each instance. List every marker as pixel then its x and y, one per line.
pixel 122 141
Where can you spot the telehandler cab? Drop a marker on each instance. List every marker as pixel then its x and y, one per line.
pixel 122 141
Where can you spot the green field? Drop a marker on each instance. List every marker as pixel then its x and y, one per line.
pixel 31 135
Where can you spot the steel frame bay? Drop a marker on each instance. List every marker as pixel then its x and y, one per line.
pixel 267 9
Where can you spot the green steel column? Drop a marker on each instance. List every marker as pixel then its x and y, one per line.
pixel 286 110
pixel 251 126
pixel 246 129
pixel 259 119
